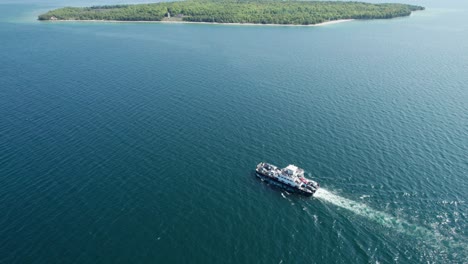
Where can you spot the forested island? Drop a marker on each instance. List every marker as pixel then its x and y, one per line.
pixel 259 12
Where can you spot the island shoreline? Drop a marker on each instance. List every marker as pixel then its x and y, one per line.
pixel 206 23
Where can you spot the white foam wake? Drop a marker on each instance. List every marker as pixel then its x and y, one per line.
pixel 372 214
pixel 431 237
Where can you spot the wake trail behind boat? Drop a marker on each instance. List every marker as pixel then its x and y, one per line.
pixel 358 208
pixel 382 218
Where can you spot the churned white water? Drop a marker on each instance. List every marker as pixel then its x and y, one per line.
pixel 431 237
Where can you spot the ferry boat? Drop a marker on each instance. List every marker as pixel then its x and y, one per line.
pixel 290 178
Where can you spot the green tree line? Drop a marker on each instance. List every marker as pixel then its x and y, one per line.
pixel 241 11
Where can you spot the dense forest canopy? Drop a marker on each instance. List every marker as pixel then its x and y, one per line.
pixel 232 11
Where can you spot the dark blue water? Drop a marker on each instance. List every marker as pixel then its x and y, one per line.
pixel 136 143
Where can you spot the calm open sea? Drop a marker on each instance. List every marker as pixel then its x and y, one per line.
pixel 137 143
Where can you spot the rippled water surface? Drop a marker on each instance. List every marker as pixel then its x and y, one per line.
pixel 136 143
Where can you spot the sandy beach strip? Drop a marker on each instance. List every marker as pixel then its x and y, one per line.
pixel 207 23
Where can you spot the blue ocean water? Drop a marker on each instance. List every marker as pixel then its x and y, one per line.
pixel 136 143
